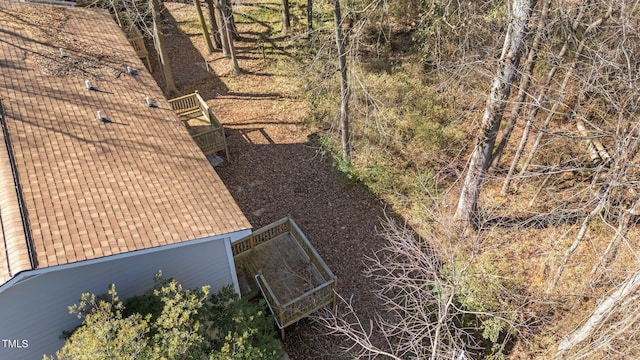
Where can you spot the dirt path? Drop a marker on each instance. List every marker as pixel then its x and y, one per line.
pixel 275 171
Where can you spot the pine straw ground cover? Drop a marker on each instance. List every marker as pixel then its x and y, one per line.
pixel 275 170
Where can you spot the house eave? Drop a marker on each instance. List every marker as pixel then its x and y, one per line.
pixel 228 238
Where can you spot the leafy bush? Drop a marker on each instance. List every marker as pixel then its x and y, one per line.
pixel 239 329
pixel 169 322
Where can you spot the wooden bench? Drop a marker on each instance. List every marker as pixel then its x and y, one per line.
pixel 202 123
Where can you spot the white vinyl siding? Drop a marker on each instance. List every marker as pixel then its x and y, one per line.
pixel 35 309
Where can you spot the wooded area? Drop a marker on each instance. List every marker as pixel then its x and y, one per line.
pixel 550 191
pixel 505 135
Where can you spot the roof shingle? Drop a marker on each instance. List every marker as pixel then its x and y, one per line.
pixel 93 189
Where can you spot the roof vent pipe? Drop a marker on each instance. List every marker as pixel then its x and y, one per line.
pixel 87 84
pixel 150 104
pixel 102 119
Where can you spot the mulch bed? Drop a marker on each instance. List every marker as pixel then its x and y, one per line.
pixel 276 171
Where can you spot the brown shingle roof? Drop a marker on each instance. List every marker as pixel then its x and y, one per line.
pixel 93 189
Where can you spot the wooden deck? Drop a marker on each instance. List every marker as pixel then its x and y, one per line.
pixel 279 262
pixel 283 263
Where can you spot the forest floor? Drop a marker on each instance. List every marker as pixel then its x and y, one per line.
pixel 518 263
pixel 276 169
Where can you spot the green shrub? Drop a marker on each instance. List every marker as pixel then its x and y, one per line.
pixel 169 322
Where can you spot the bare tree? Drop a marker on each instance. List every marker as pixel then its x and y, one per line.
pixel 519 13
pixel 525 81
pixel 573 67
pixel 344 85
pixel 578 93
pixel 286 17
pixel 604 107
pixel 310 15
pixel 203 25
pixel 226 20
pixel 228 15
pixel 422 317
pixel 221 19
pixel 215 31
pixel 535 107
pixel 601 314
pixel 131 13
pixel 160 46
pixel 228 9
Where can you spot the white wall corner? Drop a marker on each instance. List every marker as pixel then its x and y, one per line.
pixel 232 265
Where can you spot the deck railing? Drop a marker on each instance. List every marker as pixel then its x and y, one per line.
pixel 262 235
pixel 311 252
pixel 186 104
pixel 306 303
pixel 314 299
pixel 135 38
pixel 211 140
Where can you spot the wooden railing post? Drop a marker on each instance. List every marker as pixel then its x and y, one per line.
pixel 280 317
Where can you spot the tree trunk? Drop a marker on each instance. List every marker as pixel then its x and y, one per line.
pixel 599 315
pixel 494 110
pixel 534 111
pixel 228 10
pixel 344 86
pixel 232 52
pixel 203 25
pixel 516 158
pixel 215 31
pixel 223 27
pixel 563 87
pixel 286 17
pixel 612 249
pixel 310 14
pixel 226 26
pixel 162 52
pixel 525 82
pixel 626 151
